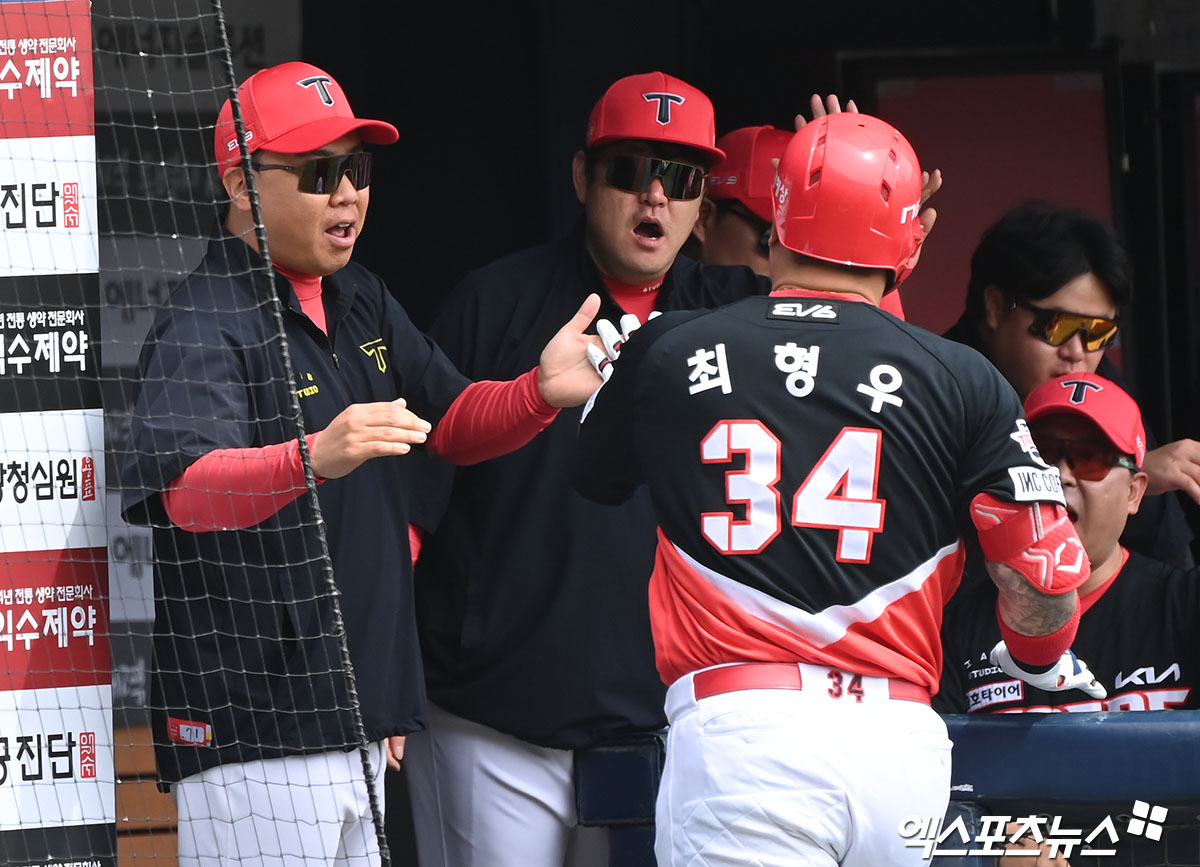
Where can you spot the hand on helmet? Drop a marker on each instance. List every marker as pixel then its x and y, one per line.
pixel 830 105
pixel 931 182
pixel 1070 672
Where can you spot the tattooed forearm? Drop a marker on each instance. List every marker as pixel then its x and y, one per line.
pixel 1026 609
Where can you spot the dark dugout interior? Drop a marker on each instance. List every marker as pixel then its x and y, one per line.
pixel 492 99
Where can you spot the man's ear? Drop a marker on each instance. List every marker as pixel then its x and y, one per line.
pixel 916 256
pixel 579 176
pixel 705 220
pixel 1137 489
pixel 994 307
pixel 234 182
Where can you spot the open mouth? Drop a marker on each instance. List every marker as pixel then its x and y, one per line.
pixel 1072 514
pixel 648 229
pixel 341 230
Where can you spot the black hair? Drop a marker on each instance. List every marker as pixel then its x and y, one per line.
pixel 1037 247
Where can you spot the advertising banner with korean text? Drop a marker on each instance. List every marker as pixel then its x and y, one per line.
pixel 46 69
pixel 57 778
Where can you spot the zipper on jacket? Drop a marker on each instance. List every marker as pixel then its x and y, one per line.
pixel 321 336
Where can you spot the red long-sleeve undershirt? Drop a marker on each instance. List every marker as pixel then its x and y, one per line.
pixel 230 489
pixel 237 488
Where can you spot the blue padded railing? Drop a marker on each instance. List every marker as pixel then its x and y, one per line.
pixel 1078 765
pixel 1103 759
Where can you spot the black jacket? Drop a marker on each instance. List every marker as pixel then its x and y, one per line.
pixel 532 600
pixel 244 634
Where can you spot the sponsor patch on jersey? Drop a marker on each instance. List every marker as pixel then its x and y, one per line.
pixel 1022 437
pixel 188 733
pixel 994 693
pixel 1034 485
pixel 802 309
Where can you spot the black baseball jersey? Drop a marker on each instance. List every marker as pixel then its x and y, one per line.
pixel 531 600
pixel 811 460
pixel 1138 636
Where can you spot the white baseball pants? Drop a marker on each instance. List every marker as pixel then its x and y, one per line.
pixel 787 777
pixel 296 810
pixel 482 798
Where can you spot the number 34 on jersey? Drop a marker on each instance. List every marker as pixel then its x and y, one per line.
pixel 841 491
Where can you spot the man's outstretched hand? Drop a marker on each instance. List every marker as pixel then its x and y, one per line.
pixel 566 376
pixel 363 431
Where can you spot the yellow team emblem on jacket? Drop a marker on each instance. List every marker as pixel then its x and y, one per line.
pixel 377 350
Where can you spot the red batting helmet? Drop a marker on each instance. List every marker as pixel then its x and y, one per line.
pixel 847 191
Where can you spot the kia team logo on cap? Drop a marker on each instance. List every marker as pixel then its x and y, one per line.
pixel 1104 403
pixel 292 108
pixel 654 106
pixel 321 83
pixel 664 104
pixel 1079 389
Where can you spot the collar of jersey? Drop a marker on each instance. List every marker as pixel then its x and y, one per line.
pixel 816 293
pixel 1086 602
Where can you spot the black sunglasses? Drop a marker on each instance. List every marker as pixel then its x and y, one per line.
pixel 322 175
pixel 1088 460
pixel 1056 327
pixel 763 227
pixel 635 174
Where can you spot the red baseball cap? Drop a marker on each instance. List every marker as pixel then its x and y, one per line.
pixel 747 173
pixel 292 108
pixel 1097 399
pixel 655 106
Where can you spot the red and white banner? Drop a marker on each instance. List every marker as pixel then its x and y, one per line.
pixel 57 780
pixel 54 620
pixel 46 69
